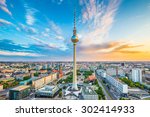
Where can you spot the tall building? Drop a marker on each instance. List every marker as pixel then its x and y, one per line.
pixel 136 75
pixel 74 40
pixel 77 91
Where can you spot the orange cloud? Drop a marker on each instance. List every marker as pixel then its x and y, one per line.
pixel 113 51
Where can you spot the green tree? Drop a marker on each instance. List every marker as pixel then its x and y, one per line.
pixel 60 93
pixel 5 85
pixel 36 74
pixel 26 77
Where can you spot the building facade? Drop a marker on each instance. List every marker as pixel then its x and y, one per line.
pixel 115 82
pixel 136 75
pixel 40 82
pixel 47 91
pixel 19 92
pixel 1 87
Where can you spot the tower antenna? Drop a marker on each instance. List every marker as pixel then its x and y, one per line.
pixel 74 29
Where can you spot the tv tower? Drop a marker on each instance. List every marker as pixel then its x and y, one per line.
pixel 74 40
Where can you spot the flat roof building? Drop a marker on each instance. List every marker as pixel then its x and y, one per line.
pixel 89 94
pixel 19 92
pixel 115 82
pixel 47 91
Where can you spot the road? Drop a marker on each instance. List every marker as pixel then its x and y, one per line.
pixel 103 88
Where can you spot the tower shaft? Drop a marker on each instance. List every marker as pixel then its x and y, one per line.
pixel 74 86
pixel 74 39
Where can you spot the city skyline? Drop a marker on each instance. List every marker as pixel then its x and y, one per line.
pixel 114 30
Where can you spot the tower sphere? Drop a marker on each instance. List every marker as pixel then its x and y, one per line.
pixel 74 39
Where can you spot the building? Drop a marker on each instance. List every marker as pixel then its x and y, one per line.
pixel 115 71
pixel 74 40
pixel 44 66
pixel 40 82
pixel 19 92
pixel 115 82
pixel 136 75
pixel 91 78
pixel 89 94
pixel 73 91
pixel 58 71
pixel 38 67
pixel 1 87
pixel 138 93
pixel 47 91
pixel 119 86
pixel 76 91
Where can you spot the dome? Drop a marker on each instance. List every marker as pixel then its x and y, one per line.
pixel 74 39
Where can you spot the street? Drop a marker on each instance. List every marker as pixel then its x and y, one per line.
pixel 104 89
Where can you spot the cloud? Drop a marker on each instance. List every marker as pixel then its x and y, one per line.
pixel 110 47
pixel 125 48
pixel 50 45
pixel 9 48
pixel 53 31
pixel 59 2
pixel 55 28
pixel 30 13
pixel 112 51
pixel 30 18
pixel 51 34
pixel 10 53
pixel 59 37
pixel 9 45
pixel 4 22
pixel 27 29
pixel 3 6
pixel 98 18
pixel 44 43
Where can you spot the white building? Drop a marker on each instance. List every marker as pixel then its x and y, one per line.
pixel 89 94
pixel 48 91
pixel 122 87
pixel 136 75
pixel 118 85
pixel 115 71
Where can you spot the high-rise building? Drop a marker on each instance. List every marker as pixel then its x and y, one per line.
pixel 136 75
pixel 74 40
pixel 76 90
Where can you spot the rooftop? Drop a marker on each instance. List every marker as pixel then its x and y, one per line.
pixel 21 87
pixel 88 91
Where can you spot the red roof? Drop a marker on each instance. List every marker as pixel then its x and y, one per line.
pixel 55 70
pixel 91 78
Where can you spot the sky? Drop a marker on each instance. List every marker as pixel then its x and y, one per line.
pixel 108 30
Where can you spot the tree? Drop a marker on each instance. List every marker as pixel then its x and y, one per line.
pixel 49 69
pixel 26 77
pixel 5 85
pixel 60 93
pixel 131 83
pixel 36 74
